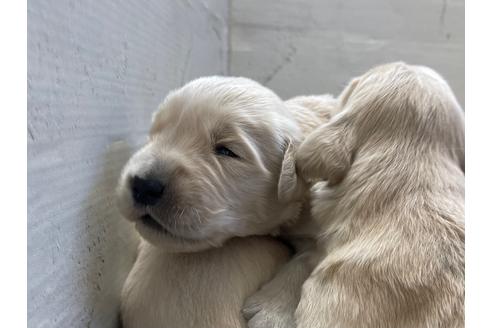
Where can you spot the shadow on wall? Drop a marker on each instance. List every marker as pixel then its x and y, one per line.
pixel 110 243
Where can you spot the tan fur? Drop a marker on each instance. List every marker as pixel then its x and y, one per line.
pixel 193 274
pixel 393 232
pixel 389 221
pixel 274 304
pixel 198 289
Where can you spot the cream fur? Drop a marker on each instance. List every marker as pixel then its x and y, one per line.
pixel 275 303
pixel 391 248
pixel 191 274
pixel 198 289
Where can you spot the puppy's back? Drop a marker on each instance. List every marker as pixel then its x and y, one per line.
pixel 395 234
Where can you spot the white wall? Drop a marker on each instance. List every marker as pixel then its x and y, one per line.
pixel 96 71
pixel 315 46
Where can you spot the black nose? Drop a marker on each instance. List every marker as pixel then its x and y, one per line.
pixel 146 191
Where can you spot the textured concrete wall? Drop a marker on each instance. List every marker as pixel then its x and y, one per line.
pixel 96 71
pixel 315 46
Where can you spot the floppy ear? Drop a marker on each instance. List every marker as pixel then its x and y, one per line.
pixel 347 92
pixel 326 154
pixel 156 120
pixel 291 187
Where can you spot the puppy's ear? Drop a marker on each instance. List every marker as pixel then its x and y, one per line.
pixel 326 154
pixel 156 120
pixel 290 186
pixel 347 92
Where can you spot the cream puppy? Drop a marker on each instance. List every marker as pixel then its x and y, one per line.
pixel 393 220
pixel 391 248
pixel 218 165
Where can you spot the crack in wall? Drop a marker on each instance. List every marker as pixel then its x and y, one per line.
pixel 287 59
pixel 186 65
pixel 30 133
pixel 442 17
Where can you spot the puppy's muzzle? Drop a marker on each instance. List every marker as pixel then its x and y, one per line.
pixel 146 191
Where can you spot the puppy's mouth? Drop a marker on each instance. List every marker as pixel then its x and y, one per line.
pixel 150 222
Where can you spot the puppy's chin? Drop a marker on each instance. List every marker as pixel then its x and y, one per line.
pixel 162 238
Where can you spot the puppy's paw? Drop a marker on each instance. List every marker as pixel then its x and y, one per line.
pixel 268 311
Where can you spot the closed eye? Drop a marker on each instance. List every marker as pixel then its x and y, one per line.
pixel 224 151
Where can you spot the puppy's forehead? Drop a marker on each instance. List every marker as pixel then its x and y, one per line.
pixel 213 111
pixel 196 116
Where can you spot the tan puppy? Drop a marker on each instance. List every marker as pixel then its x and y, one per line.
pixel 218 165
pixel 391 251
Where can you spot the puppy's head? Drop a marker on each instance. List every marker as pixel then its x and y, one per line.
pixel 394 108
pixel 218 163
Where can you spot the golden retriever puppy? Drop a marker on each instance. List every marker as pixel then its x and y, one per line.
pixel 391 215
pixel 393 221
pixel 218 165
